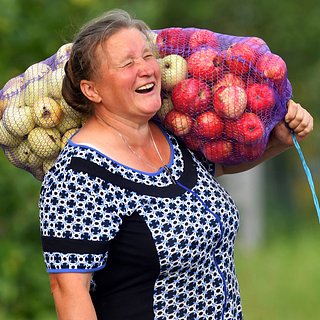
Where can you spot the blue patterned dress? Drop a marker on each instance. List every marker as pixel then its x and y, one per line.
pixel 157 248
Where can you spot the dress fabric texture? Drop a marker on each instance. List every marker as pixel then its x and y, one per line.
pixel 157 249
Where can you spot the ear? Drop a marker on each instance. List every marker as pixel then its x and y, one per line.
pixel 88 89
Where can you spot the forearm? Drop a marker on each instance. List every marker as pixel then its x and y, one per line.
pixel 71 297
pixel 74 306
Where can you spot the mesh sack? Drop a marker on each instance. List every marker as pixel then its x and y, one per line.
pixel 35 121
pixel 221 94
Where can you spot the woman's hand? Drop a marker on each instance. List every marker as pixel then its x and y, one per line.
pixel 298 120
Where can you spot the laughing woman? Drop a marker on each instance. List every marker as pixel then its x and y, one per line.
pixel 133 225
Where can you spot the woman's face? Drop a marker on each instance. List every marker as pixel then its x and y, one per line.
pixel 128 80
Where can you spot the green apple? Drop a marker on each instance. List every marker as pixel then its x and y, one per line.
pixel 47 112
pixel 6 138
pixel 174 68
pixel 45 142
pixel 18 120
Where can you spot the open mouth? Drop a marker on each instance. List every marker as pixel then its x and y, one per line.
pixel 146 88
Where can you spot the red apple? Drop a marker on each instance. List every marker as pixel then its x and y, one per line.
pixel 178 123
pixel 203 37
pixel 240 57
pixel 271 66
pixel 205 64
pixel 257 44
pixel 192 141
pixel 261 98
pixel 230 130
pixel 173 41
pixel 230 102
pixel 191 96
pixel 217 151
pixel 248 129
pixel 209 125
pixel 249 152
pixel 229 80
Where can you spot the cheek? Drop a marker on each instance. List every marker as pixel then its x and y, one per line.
pixel 157 70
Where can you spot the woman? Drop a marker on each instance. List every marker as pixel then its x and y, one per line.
pixel 133 225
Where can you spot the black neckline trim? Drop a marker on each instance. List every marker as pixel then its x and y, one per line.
pixel 188 177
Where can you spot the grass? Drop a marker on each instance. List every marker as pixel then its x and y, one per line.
pixel 281 280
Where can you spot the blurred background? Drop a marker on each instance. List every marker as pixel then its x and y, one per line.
pixel 278 245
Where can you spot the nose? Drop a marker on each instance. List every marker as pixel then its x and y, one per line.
pixel 146 67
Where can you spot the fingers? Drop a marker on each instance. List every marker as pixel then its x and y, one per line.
pixel 298 119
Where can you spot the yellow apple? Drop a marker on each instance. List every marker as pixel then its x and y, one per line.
pixel 152 37
pixel 54 80
pixel 36 71
pixel 67 123
pixel 47 164
pixel 174 68
pixel 13 86
pixel 2 107
pixel 45 142
pixel 69 111
pixel 62 55
pixel 35 90
pixel 67 136
pixel 18 120
pixel 23 157
pixel 166 107
pixel 6 138
pixel 47 112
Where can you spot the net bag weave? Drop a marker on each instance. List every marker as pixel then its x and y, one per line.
pixel 35 121
pixel 221 95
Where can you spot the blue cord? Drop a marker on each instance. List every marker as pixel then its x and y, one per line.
pixel 308 174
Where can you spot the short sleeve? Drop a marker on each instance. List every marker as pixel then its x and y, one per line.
pixel 77 220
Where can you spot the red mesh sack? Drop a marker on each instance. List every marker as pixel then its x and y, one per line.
pixel 222 95
pixel 35 121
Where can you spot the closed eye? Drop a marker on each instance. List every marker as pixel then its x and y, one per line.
pixel 148 56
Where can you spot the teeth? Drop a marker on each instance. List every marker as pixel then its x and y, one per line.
pixel 146 87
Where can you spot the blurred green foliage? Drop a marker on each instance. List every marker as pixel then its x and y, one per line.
pixel 278 282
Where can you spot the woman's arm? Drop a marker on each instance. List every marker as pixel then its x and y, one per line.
pixel 71 296
pixel 297 119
